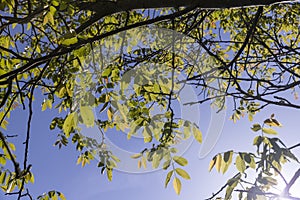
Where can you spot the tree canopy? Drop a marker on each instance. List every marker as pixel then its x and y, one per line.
pixel 122 58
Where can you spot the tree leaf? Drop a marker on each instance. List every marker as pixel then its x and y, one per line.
pixel 155 160
pixel 135 156
pixel 144 162
pixel 2 177
pixel 168 178
pixel 227 161
pixel 272 122
pixel 147 135
pixel 109 173
pixel 182 173
pixel 240 164
pixel 70 122
pixel 69 41
pixel 219 162
pixel 269 131
pixel 256 127
pixel 212 163
pixel 166 164
pixel 180 160
pixel 177 185
pixel 87 115
pixel 109 113
pixel 197 134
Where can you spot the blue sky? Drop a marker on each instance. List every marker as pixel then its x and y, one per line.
pixel 57 169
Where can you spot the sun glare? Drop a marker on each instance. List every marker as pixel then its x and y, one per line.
pixel 288 173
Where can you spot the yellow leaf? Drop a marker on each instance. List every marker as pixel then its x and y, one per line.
pixel 272 122
pixel 197 134
pixel 168 178
pixel 177 185
pixel 180 160
pixel 135 156
pixel 139 164
pixel 44 106
pixel 212 164
pixel 144 162
pixel 240 164
pixel 227 161
pixel 109 114
pixel 78 160
pixel 62 196
pixel 109 174
pixel 147 135
pixel 218 162
pixel 182 173
pixel 269 131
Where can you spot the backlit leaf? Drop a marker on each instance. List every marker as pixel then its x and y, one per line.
pixel 168 178
pixel 212 163
pixel 182 173
pixel 269 131
pixel 87 115
pixel 177 185
pixel 256 127
pixel 240 164
pixel 109 174
pixel 218 162
pixel 180 160
pixel 197 134
pixel 70 122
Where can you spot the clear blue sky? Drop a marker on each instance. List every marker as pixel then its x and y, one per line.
pixel 57 169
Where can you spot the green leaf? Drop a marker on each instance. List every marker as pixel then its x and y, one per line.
pixel 180 160
pixel 182 173
pixel 177 185
pixel 269 131
pixel 228 194
pixel 232 183
pixel 70 122
pixel 69 41
pixel 106 72
pixel 55 3
pixel 87 115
